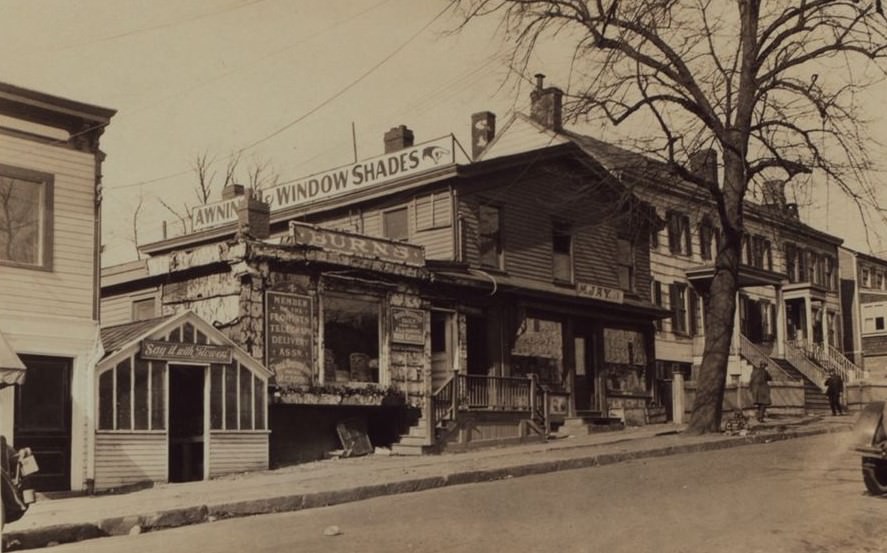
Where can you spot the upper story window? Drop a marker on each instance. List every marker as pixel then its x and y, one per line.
pixel 625 263
pixel 562 252
pixel 879 279
pixel 490 236
pixel 874 316
pixel 679 240
pixel 657 300
pixel 796 263
pixel 25 218
pixel 760 253
pixel 866 278
pixel 708 239
pixel 678 297
pixel 144 309
pixel 395 224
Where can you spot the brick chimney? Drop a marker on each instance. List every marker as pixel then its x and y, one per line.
pixel 398 138
pixel 547 105
pixel 232 191
pixel 483 129
pixel 773 192
pixel 253 216
pixel 704 164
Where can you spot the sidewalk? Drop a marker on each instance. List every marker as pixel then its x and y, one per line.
pixel 337 481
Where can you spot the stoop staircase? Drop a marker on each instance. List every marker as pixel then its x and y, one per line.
pixel 416 441
pixel 589 422
pixel 815 401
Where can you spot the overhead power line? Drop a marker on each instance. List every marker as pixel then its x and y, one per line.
pixel 310 112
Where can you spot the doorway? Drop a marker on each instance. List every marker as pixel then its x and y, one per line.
pixel 586 384
pixel 477 345
pixel 43 420
pixel 441 347
pixel 186 423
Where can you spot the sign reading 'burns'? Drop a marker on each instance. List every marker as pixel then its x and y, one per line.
pixel 336 182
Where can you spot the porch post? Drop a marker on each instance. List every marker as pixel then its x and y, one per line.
pixel 780 322
pixel 677 396
pixel 808 310
pixel 823 315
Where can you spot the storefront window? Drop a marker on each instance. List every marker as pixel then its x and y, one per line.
pixel 131 396
pixel 626 361
pixel 351 339
pixel 538 349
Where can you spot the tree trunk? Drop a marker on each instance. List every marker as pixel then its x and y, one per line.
pixel 720 302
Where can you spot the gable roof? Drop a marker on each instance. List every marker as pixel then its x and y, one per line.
pixel 521 134
pixel 124 340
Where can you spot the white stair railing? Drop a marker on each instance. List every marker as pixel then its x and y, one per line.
pixel 831 358
pixel 797 355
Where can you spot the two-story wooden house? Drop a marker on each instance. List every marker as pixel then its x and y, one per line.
pixel 789 309
pixel 50 201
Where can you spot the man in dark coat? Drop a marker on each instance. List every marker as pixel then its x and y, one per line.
pixel 834 387
pixel 759 386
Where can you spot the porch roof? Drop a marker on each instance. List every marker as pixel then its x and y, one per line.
pixel 629 306
pixel 701 277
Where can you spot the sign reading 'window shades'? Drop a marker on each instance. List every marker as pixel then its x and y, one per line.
pixel 179 351
pixel 288 328
pixel 407 325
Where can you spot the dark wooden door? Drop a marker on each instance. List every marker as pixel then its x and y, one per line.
pixel 584 378
pixel 43 420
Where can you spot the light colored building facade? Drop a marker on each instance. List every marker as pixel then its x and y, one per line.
pixel 50 189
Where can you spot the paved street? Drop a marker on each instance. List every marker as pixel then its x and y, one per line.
pixel 802 495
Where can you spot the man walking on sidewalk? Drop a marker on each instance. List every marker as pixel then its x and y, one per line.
pixel 834 387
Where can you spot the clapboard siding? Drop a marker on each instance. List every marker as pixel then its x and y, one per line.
pixel 237 452
pixel 127 458
pixel 530 206
pixel 116 310
pixel 67 290
pixel 438 243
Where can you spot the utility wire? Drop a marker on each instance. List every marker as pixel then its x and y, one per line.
pixel 310 112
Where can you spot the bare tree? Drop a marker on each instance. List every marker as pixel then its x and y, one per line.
pixel 772 87
pixel 135 224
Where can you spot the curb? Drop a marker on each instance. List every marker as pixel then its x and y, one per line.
pixel 185 516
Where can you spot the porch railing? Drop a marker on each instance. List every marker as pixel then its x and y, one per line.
pixel 753 354
pixel 470 392
pixel 796 354
pixel 831 358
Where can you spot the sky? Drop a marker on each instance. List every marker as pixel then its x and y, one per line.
pixel 280 81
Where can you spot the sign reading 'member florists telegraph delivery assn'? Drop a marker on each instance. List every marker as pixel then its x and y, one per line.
pixel 178 351
pixel 289 331
pixel 336 182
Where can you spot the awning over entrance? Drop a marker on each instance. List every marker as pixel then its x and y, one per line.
pixel 12 370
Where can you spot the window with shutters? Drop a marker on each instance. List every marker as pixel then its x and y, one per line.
pixel 433 211
pixel 695 328
pixel 395 224
pixel 679 239
pixel 678 296
pixel 657 300
pixel 707 246
pixel 625 269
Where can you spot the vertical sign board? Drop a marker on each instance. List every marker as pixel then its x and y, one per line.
pixel 289 332
pixel 407 326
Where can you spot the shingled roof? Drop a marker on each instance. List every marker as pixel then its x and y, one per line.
pixel 117 336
